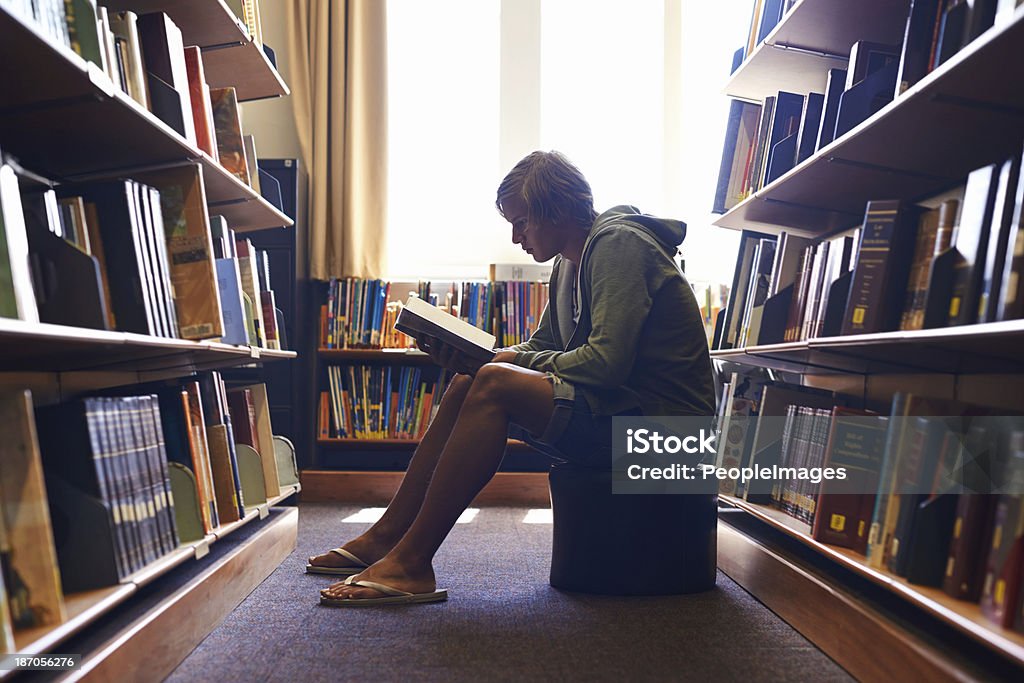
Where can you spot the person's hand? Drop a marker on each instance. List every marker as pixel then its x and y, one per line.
pixel 448 356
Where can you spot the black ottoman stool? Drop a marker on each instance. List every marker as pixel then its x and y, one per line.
pixel 629 544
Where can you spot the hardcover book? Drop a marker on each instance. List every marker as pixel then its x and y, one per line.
pixel 189 249
pixel 199 97
pixel 883 265
pixel 971 242
pixel 30 567
pixel 227 120
pixel 856 441
pixel 834 86
pixel 164 57
pixel 419 318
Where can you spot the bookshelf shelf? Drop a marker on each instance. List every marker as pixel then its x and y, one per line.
pixel 28 346
pixel 954 120
pixel 231 58
pixel 970 349
pixel 963 616
pixel 78 126
pixel 389 355
pixel 813 37
pixel 86 607
pixel 392 444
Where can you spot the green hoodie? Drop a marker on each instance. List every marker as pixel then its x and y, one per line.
pixel 640 340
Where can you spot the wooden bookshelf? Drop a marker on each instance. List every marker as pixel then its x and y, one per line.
pixel 230 56
pixel 393 444
pixel 925 141
pixel 410 356
pixel 76 125
pixel 27 346
pixel 813 37
pixel 965 617
pixel 65 120
pixel 968 349
pixel 87 607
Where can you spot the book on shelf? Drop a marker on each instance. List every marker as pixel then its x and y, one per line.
pixel 251 162
pixel 834 86
pixel 934 236
pixel 199 99
pixel 1011 296
pixel 188 250
pixel 866 58
pixel 221 444
pixel 65 278
pixel 181 416
pixel 265 435
pixel 375 402
pixel 883 264
pixel 971 238
pixel 1004 566
pixel 527 272
pixel 249 274
pixel 128 56
pixel 810 126
pixel 740 133
pixel 783 126
pixel 84 31
pixel 163 53
pixel 30 571
pixel 419 318
pixel 1000 229
pixel 17 298
pixel 843 514
pixel 917 55
pixel 227 118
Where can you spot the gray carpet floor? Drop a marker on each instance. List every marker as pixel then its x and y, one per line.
pixel 502 622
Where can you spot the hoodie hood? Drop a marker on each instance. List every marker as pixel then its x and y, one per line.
pixel 667 231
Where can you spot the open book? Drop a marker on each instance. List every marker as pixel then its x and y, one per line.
pixel 421 318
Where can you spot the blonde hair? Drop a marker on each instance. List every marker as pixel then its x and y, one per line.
pixel 552 188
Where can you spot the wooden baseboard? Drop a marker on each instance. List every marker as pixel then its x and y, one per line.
pixel 377 488
pixel 861 640
pixel 155 643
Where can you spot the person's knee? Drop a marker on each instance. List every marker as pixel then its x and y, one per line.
pixel 491 383
pixel 458 387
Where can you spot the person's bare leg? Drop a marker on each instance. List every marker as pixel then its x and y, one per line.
pixel 385 533
pixel 500 393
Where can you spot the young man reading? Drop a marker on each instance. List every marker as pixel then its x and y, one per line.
pixel 622 335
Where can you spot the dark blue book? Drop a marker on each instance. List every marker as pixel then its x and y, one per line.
pixel 917 43
pixel 785 121
pixel 810 124
pixel 833 91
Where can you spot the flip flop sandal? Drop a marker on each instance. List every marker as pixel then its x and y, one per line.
pixel 392 596
pixel 338 571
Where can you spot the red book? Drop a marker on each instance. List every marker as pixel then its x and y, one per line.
pixel 199 94
pixel 243 417
pixel 856 442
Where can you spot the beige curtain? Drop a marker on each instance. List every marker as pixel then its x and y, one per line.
pixel 339 92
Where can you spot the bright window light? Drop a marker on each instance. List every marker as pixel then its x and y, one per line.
pixel 365 516
pixel 538 516
pixel 631 92
pixel 467 516
pixel 372 515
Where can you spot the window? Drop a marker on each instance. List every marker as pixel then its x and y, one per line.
pixel 631 92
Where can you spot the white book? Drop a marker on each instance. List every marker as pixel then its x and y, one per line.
pixel 419 318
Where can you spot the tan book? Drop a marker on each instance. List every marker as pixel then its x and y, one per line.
pixel 250 287
pixel 34 595
pixel 76 229
pixel 251 163
pixel 186 224
pixel 227 120
pixel 265 434
pixel 125 27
